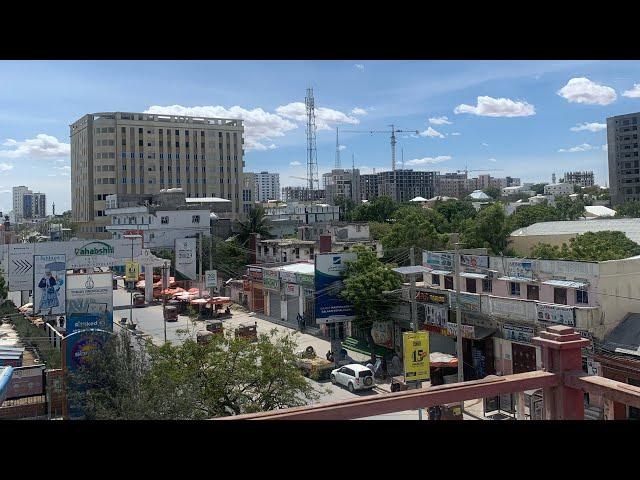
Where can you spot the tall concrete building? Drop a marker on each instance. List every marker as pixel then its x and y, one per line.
pixel 18 202
pixel 141 153
pixel 624 163
pixel 455 185
pixel 583 179
pixel 403 185
pixel 303 194
pixel 368 186
pixel 249 191
pixel 267 186
pixel 28 205
pixel 343 183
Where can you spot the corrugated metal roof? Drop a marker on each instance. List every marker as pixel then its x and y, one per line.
pixel 565 283
pixel 473 275
pixel 600 210
pixel 630 226
pixel 411 269
pixel 516 279
pixel 440 272
pixel 625 334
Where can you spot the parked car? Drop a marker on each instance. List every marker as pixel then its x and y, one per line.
pixel 353 376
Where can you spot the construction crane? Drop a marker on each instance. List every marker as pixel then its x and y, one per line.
pixel 306 179
pixel 393 132
pixel 466 171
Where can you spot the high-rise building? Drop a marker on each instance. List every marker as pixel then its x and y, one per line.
pixel 344 183
pixel 403 185
pixel 624 163
pixel 267 186
pixel 28 205
pixel 249 191
pixel 303 194
pixel 18 201
pixel 455 185
pixel 142 153
pixel 368 186
pixel 583 179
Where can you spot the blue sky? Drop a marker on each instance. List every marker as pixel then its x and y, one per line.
pixel 515 116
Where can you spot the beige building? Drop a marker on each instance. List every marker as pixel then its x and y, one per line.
pixel 140 153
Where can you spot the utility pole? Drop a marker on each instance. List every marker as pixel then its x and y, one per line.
pixel 414 311
pixel 201 276
pixel 211 260
pixel 458 317
pixel 164 301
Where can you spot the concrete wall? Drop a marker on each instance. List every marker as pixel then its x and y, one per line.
pixel 523 245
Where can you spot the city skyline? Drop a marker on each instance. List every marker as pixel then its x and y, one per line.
pixel 526 118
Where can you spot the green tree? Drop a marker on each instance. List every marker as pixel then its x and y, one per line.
pixel 568 209
pixel 347 206
pixel 530 214
pixel 414 227
pixel 365 281
pixel 378 230
pixel 256 222
pixel 380 209
pixel 455 212
pixel 493 192
pixel 538 188
pixel 488 230
pixel 4 288
pixel 628 209
pixel 591 246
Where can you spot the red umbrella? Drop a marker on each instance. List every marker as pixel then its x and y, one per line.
pixel 198 301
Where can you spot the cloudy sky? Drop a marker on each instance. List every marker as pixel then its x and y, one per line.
pixel 525 118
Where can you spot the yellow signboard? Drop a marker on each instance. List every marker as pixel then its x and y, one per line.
pixel 132 271
pixel 416 356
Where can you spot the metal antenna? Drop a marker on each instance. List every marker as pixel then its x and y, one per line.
pixel 312 154
pixel 337 150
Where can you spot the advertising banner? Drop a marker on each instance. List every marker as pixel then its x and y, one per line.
pixel 132 271
pixel 292 289
pixel 474 261
pixel 517 333
pixel 440 298
pixel 555 314
pixel 270 279
pixel 49 284
pixel 26 382
pixel 288 277
pixel 438 260
pixel 305 279
pixel 468 331
pixel 436 315
pixel 468 302
pixel 382 333
pixel 210 278
pixel 186 257
pixel 17 266
pixel 416 356
pixel 519 268
pixel 89 302
pixel 329 307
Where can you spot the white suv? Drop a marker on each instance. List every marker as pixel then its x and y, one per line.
pixel 353 376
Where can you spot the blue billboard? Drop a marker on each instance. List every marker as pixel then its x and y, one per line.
pixel 329 271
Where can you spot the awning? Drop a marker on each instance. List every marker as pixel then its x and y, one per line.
pixel 413 269
pixel 516 279
pixel 473 275
pixel 480 333
pixel 565 283
pixel 362 346
pixel 440 272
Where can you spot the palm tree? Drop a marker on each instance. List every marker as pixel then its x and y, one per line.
pixel 256 223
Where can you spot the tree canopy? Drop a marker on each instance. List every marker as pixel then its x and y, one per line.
pixel 415 227
pixel 590 246
pixel 493 192
pixel 256 222
pixel 487 230
pixel 380 209
pixel 628 209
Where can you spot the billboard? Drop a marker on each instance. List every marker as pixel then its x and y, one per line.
pixel 186 257
pixel 210 278
pixel 519 268
pixel 468 302
pixel 438 260
pixel 89 302
pixel 49 272
pixel 270 279
pixel 382 333
pixel 26 382
pixel 474 261
pixel 416 356
pixel 329 268
pixel 436 315
pixel 555 314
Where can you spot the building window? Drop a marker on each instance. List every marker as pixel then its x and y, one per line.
pixel 448 282
pixel 514 288
pixel 560 296
pixel 435 279
pixel 487 285
pixel 533 292
pixel 582 296
pixel 164 220
pixel 195 219
pixel 471 285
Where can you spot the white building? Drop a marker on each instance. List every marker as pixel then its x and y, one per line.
pixel 267 186
pixel 558 189
pixel 18 205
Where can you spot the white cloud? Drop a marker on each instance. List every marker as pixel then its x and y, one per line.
pixel 325 117
pixel 358 111
pixel 428 160
pixel 578 148
pixel 259 124
pixel 440 121
pixel 497 107
pixel 5 167
pixel 592 127
pixel 342 147
pixel 634 92
pixel 605 147
pixel 42 146
pixel 484 144
pixel 5 191
pixel 66 168
pixel 455 134
pixel 430 132
pixel 272 146
pixel 583 90
pixel 359 66
pixel 492 160
pixel 295 163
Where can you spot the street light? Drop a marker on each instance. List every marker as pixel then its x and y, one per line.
pixel 133 237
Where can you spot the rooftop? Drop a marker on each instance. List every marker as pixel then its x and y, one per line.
pixel 288 241
pixel 630 226
pixel 302 267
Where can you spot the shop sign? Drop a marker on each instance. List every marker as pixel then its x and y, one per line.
pixel 468 302
pixel 438 260
pixel 132 271
pixel 210 278
pixel 270 279
pixel 382 333
pixel 255 273
pixel 440 298
pixel 515 309
pixel 468 331
pixel 416 356
pixel 474 261
pixel 436 315
pixel 305 279
pixel 555 314
pixel 288 277
pixel 436 329
pixel 588 335
pixel 26 382
pixel 517 333
pixel 519 268
pixel 292 289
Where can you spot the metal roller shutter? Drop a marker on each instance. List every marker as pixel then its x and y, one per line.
pixel 274 305
pixel 293 307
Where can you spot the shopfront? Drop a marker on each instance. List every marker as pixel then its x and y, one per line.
pixel 514 349
pixel 257 292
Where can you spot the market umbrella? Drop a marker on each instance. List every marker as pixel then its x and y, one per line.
pixel 140 284
pixel 198 301
pixel 437 359
pixel 219 300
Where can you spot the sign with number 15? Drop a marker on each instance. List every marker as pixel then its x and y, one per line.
pixel 416 356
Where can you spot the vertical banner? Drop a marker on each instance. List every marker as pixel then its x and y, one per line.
pixel 329 307
pixel 89 302
pixel 132 271
pixel 186 257
pixel 416 356
pixel 211 278
pixel 49 272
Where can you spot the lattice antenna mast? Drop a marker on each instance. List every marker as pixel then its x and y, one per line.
pixel 337 150
pixel 312 154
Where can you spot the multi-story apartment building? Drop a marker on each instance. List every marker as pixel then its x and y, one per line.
pixel 249 191
pixel 403 185
pixel 342 183
pixel 303 194
pixel 140 153
pixel 267 186
pixel 28 205
pixel 486 181
pixel 624 163
pixel 18 203
pixel 583 179
pixel 558 189
pixel 368 186
pixel 455 185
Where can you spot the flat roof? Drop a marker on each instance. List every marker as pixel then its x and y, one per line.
pixel 207 200
pixel 630 226
pixel 302 267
